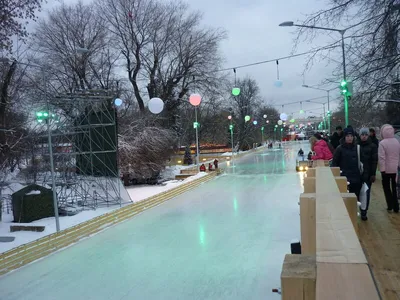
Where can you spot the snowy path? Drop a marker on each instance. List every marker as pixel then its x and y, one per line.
pixel 223 240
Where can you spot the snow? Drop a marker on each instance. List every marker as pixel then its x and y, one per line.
pixel 136 193
pixel 141 192
pixel 224 240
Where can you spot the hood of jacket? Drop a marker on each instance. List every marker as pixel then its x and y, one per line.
pixel 387 131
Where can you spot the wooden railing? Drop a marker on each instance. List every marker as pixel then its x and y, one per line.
pixel 332 264
pixel 24 254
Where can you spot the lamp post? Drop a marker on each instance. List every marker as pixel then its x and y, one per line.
pixel 231 130
pixel 328 99
pixel 50 146
pixel 323 108
pixel 195 100
pixel 342 32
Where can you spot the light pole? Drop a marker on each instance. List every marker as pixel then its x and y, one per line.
pixel 328 99
pixel 323 107
pixel 195 100
pixel 342 32
pixel 50 146
pixel 231 130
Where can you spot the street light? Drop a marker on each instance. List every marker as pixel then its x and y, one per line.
pixel 323 107
pixel 328 98
pixel 52 171
pixel 342 32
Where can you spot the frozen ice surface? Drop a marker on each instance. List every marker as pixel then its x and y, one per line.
pixel 224 240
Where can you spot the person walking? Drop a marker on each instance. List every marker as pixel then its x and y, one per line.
pixel 372 135
pixel 389 161
pixel 321 149
pixel 337 136
pixel 346 158
pixel 369 159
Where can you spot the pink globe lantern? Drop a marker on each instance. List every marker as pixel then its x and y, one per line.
pixel 195 99
pixel 229 117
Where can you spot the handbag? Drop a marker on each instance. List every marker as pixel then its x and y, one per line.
pixel 360 164
pixel 363 196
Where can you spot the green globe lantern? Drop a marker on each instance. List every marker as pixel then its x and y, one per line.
pixel 236 91
pixel 247 118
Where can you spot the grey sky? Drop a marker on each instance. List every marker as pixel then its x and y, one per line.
pixel 254 35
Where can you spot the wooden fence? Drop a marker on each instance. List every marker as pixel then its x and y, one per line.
pixel 332 264
pixel 24 254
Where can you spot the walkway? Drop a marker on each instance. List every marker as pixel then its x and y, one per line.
pixel 380 238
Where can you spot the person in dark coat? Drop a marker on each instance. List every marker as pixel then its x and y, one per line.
pixel 356 136
pixel 369 158
pixel 346 158
pixel 372 136
pixel 336 137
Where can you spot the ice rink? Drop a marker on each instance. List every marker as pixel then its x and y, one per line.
pixel 223 240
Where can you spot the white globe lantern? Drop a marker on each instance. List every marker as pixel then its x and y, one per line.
pixel 195 99
pixel 265 116
pixel 118 102
pixel 280 122
pixel 283 116
pixel 156 105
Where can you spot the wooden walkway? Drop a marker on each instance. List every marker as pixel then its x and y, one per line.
pixel 380 238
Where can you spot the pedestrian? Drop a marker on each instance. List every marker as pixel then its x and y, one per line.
pixel 356 137
pixel 210 167
pixel 369 159
pixel 336 137
pixel 372 135
pixel 389 161
pixel 216 163
pixel 346 158
pixel 321 149
pixel 202 168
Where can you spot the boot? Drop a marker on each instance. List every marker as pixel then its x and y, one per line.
pixel 364 215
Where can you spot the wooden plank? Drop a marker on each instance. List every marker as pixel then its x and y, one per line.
pixel 309 185
pixel 350 201
pixel 307 224
pixel 311 172
pixel 335 171
pixel 345 282
pixel 337 242
pixel 298 277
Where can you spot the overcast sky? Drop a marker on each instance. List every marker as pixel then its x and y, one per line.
pixel 254 35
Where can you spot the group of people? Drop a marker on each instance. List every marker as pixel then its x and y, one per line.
pixel 358 156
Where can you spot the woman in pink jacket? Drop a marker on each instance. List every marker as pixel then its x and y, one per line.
pixel 321 149
pixel 389 161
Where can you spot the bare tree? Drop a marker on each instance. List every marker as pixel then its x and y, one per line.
pixel 74 46
pixel 15 14
pixel 166 52
pixel 371 39
pixel 246 104
pixel 144 150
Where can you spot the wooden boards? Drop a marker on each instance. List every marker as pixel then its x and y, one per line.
pixel 298 277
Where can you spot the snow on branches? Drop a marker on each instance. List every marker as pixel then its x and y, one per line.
pixel 144 152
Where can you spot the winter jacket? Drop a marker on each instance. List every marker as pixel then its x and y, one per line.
pixel 346 159
pixel 335 139
pixel 322 151
pixel 388 151
pixel 374 140
pixel 369 158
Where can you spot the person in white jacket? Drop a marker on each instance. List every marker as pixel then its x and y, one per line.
pixel 389 162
